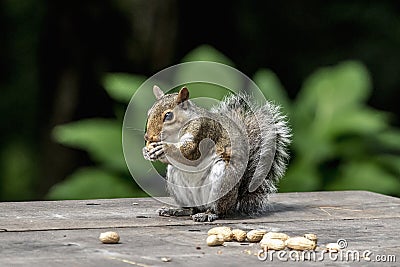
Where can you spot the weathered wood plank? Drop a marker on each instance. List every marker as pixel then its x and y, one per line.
pixel 315 206
pixel 185 245
pixel 65 233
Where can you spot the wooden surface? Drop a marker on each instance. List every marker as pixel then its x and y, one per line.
pixel 65 233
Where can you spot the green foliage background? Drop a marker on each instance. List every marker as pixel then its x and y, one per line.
pixel 339 142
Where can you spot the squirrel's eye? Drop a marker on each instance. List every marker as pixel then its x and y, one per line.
pixel 168 116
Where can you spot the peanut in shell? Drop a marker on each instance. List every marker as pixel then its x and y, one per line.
pixel 109 238
pixel 274 235
pixel 300 243
pixel 215 240
pixel 272 244
pixel 226 232
pixel 255 235
pixel 239 235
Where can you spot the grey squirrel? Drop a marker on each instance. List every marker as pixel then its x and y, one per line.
pixel 222 161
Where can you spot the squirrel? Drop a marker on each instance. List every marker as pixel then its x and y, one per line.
pixel 223 161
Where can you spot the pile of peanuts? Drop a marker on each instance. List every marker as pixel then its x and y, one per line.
pixel 268 240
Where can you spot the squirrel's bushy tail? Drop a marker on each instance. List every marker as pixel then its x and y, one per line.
pixel 269 137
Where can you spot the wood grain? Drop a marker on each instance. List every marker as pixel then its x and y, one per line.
pixel 65 233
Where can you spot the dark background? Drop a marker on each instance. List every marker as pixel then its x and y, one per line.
pixel 53 55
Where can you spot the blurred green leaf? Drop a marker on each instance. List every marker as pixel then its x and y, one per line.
pixel 365 176
pixel 332 98
pixel 333 89
pixel 362 121
pixel 91 183
pixel 18 167
pixel 100 137
pixel 208 79
pixel 331 104
pixel 207 53
pixel 122 86
pixel 332 123
pixel 390 139
pixel 300 177
pixel 391 162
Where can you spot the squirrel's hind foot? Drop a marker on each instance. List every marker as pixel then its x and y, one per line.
pixel 207 216
pixel 204 217
pixel 167 212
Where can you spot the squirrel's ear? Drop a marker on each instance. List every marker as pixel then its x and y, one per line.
pixel 157 92
pixel 183 95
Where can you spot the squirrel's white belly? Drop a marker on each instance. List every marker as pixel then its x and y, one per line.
pixel 194 189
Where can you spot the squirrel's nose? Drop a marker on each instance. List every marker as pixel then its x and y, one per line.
pixel 151 138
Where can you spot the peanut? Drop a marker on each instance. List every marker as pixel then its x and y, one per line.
pixel 333 247
pixel 300 243
pixel 312 237
pixel 255 235
pixel 226 232
pixel 272 244
pixel 273 235
pixel 109 238
pixel 215 240
pixel 239 235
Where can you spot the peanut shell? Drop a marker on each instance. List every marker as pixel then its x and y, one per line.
pixel 239 235
pixel 333 247
pixel 226 232
pixel 109 238
pixel 312 237
pixel 300 243
pixel 272 244
pixel 215 240
pixel 255 235
pixel 273 235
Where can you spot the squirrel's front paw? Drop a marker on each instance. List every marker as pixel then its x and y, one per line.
pixel 154 152
pixel 204 217
pixel 145 152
